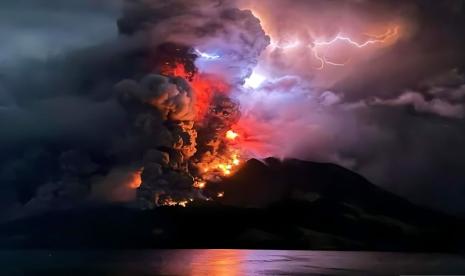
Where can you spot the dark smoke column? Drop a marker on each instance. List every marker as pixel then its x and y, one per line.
pixel 162 108
pixel 161 111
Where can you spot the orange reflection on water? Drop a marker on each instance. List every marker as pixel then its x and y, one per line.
pixel 219 262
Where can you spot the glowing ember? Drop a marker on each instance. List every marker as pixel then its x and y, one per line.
pixel 200 184
pixel 171 202
pixel 220 194
pixel 183 203
pixel 230 165
pixel 213 168
pixel 225 168
pixel 231 135
pixel 135 179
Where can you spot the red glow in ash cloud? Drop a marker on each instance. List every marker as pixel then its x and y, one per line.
pixel 257 101
pixel 205 86
pixel 282 106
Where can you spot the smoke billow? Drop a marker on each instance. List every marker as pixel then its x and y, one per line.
pixel 196 114
pixel 161 112
pixel 142 115
pixel 216 27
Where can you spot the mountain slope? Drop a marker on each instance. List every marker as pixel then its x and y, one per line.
pixel 289 204
pixel 258 184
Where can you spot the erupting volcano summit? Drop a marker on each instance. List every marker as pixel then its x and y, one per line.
pixel 185 108
pixel 208 63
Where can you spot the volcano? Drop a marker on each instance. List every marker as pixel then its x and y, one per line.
pixel 266 204
pixel 260 183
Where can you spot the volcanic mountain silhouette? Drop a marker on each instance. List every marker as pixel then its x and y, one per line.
pixel 289 204
pixel 260 183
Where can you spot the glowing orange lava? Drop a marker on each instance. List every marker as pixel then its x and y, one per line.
pixel 211 168
pixel 205 86
pixel 231 135
pixel 135 179
pixel 171 202
pixel 200 184
pixel 223 165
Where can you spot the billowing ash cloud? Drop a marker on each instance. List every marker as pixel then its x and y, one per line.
pixel 184 33
pixel 161 112
pixel 96 124
pixel 215 27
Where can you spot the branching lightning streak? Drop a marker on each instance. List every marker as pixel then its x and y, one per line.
pixel 375 39
pixel 317 45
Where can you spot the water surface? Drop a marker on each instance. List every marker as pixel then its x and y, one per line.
pixel 225 262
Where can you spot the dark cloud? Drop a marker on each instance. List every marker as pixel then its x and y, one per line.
pixel 42 29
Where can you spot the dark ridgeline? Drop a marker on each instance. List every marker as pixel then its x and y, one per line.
pixel 288 204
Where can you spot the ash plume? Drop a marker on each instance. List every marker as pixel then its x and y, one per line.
pixel 174 33
pixel 113 122
pixel 218 26
pixel 161 111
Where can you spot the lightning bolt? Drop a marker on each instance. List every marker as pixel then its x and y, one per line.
pixel 205 55
pixel 374 39
pixel 317 45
